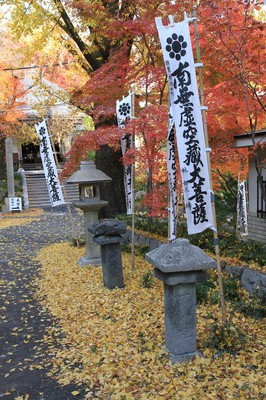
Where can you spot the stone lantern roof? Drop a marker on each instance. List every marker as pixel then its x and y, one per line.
pixel 179 256
pixel 88 174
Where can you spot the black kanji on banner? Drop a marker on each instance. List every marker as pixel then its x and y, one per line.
pixel 186 110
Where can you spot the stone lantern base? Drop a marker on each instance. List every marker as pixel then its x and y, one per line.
pixel 84 261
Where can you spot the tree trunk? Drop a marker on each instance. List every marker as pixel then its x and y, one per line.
pixel 109 162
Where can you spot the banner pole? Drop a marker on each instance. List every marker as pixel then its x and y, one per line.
pixel 204 119
pixel 169 189
pixel 237 207
pixel 172 198
pixel 74 230
pixel 133 186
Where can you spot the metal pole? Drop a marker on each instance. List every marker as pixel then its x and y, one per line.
pixel 215 233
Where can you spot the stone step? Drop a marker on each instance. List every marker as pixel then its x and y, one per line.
pixel 38 192
pixel 38 166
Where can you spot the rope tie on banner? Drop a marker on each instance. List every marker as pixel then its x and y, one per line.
pixel 212 197
pixel 197 65
pixel 189 19
pixel 171 20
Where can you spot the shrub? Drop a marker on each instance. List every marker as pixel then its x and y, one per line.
pixel 231 288
pixel 138 249
pixel 3 191
pixel 18 188
pixel 203 289
pixel 252 306
pixel 147 280
pixel 224 337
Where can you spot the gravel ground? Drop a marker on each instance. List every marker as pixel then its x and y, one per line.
pixel 23 323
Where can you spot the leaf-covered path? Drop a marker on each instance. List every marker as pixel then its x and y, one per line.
pixel 109 344
pixel 22 322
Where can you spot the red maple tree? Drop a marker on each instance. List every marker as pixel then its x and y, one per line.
pixel 233 51
pixel 117 44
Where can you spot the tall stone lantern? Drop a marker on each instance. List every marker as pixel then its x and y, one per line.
pixel 180 265
pixel 89 179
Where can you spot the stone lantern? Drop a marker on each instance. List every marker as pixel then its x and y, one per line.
pixel 180 265
pixel 89 179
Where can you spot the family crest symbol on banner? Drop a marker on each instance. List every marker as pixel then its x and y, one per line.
pixel 49 167
pixel 186 110
pixel 124 112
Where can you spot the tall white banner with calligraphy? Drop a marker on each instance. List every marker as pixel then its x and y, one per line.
pixel 242 217
pixel 49 167
pixel 184 99
pixel 171 168
pixel 124 113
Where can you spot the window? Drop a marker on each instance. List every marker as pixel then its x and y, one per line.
pixel 261 204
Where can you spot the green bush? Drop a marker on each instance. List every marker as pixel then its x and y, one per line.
pixel 230 245
pixel 146 224
pixel 224 337
pixel 3 191
pixel 18 180
pixel 147 280
pixel 18 188
pixel 203 289
pixel 231 288
pixel 253 307
pixel 226 199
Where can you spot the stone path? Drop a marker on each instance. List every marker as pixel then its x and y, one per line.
pixel 22 321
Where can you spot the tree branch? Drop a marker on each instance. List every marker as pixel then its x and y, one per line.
pixel 69 28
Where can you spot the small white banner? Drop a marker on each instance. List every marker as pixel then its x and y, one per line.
pixel 171 167
pixel 49 167
pixel 184 99
pixel 124 114
pixel 242 220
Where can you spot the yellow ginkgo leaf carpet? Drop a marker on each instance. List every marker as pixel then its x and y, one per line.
pixel 112 341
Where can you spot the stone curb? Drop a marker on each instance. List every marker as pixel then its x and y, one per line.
pixel 252 281
pixel 143 240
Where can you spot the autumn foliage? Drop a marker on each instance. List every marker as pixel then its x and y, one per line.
pixel 11 101
pixel 234 75
pixel 116 45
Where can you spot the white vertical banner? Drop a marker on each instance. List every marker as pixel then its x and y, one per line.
pixel 184 99
pixel 49 167
pixel 242 219
pixel 171 168
pixel 124 112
